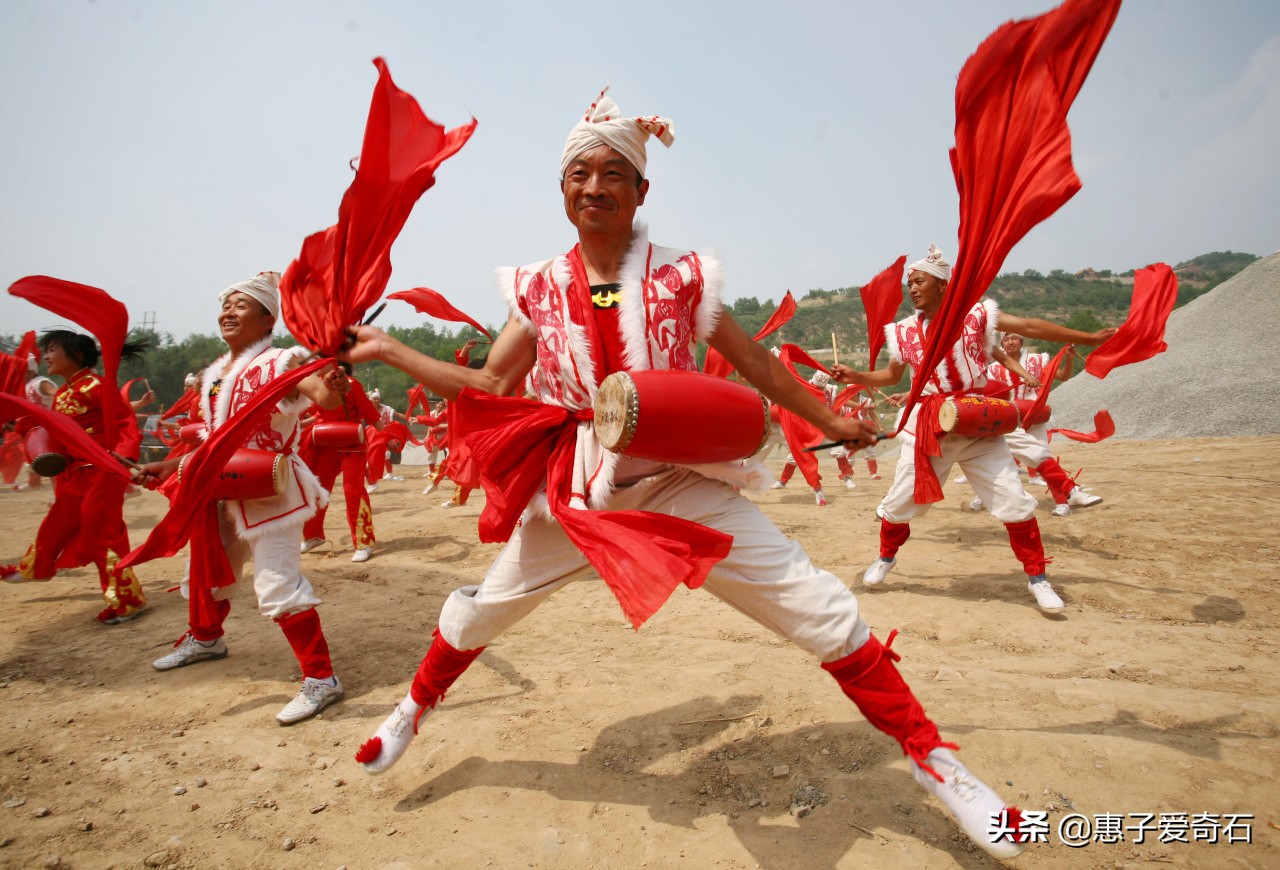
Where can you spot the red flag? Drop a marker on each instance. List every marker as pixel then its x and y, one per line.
pixel 1104 427
pixel 343 270
pixel 124 390
pixel 189 399
pixel 881 299
pixel 104 317
pixel 717 365
pixel 65 431
pixel 1012 157
pixel 13 367
pixel 1046 381
pixel 431 303
pixel 1141 336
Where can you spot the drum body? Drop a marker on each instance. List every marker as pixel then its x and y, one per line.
pixel 681 417
pixel 1042 416
pixel 977 416
pixel 191 433
pixel 249 474
pixel 339 434
pixel 43 453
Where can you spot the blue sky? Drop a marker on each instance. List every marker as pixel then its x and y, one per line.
pixel 163 150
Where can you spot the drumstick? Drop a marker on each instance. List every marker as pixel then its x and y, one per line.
pixel 835 354
pixel 375 313
pixel 880 436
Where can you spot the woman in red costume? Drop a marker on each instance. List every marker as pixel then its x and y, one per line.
pixel 85 524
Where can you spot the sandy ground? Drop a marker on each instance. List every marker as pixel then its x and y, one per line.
pixel 575 742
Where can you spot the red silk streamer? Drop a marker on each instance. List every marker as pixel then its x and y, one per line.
pixel 717 365
pixel 799 432
pixel 124 391
pixel 343 270
pixel 417 397
pixel 1141 336
pixel 881 299
pixel 642 556
pixel 66 432
pixel 845 395
pixel 1012 157
pixel 1104 427
pixel 104 317
pixel 13 367
pixel 431 303
pixel 184 405
pixel 379 444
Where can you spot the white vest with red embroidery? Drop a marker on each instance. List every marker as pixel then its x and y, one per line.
pixel 240 378
pixel 670 300
pixel 964 367
pixel 1032 363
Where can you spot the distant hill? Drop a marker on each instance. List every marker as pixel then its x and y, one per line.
pixel 1085 300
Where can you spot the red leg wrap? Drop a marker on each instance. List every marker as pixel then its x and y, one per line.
pixel 873 466
pixel 304 634
pixel 207 633
pixel 1059 483
pixel 440 667
pixel 846 470
pixel 892 536
pixel 869 678
pixel 787 470
pixel 1024 539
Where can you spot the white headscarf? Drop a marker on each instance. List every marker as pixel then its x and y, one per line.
pixel 933 264
pixel 261 287
pixel 603 124
pixel 820 379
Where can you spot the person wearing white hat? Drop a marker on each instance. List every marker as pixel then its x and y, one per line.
pixel 266 530
pixel 986 461
pixel 615 302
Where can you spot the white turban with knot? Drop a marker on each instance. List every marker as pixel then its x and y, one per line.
pixel 261 287
pixel 603 124
pixel 820 379
pixel 933 264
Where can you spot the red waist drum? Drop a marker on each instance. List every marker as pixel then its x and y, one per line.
pixel 191 433
pixel 44 453
pixel 1042 416
pixel 977 416
pixel 339 434
pixel 678 416
pixel 249 474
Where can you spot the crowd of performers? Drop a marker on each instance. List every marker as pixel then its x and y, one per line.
pixel 521 421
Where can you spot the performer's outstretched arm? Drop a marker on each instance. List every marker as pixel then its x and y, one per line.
pixel 510 359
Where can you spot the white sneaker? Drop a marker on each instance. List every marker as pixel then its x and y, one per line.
pixel 1046 599
pixel 976 504
pixel 188 651
pixel 395 477
pixel 371 487
pixel 849 484
pixel 389 742
pixel 1062 510
pixel 362 554
pixel 777 484
pixel 311 543
pixel 314 696
pixel 879 570
pixel 961 479
pixel 819 498
pixel 971 801
pixel 1035 481
pixel 875 477
pixel 431 487
pixel 448 504
pixel 1080 498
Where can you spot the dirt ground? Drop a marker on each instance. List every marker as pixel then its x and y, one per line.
pixel 702 740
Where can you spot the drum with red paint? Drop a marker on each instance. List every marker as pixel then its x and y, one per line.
pixel 249 474
pixel 681 417
pixel 44 453
pixel 191 433
pixel 1041 416
pixel 977 416
pixel 339 434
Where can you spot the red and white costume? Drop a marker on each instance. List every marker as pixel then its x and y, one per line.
pixel 85 524
pixel 1031 446
pixel 328 462
pixel 267 529
pixel 987 462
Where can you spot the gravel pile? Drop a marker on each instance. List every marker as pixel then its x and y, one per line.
pixel 1218 377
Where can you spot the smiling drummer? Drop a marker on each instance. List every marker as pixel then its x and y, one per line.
pixel 617 302
pixel 986 461
pixel 265 529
